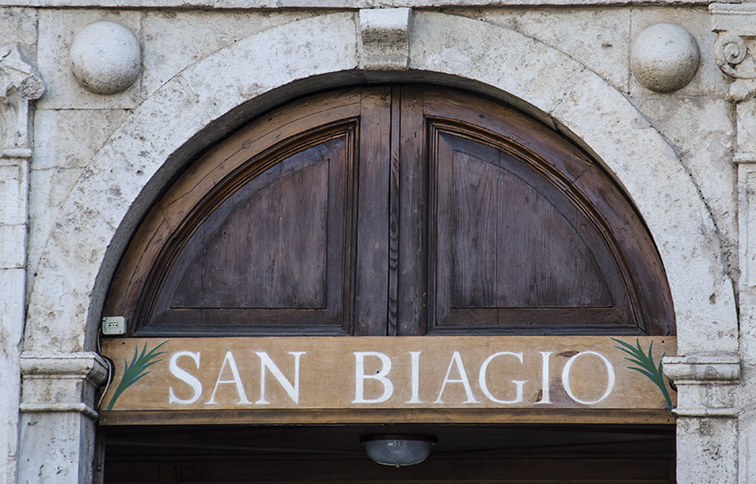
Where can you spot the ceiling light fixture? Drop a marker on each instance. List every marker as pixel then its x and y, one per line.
pixel 398 450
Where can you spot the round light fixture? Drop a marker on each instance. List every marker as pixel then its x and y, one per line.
pixel 398 450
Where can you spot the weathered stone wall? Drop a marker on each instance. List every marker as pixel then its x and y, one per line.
pixel 98 162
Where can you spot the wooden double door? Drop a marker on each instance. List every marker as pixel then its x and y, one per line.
pixel 383 211
pixel 398 210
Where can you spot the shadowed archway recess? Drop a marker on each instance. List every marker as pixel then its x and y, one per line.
pixel 393 211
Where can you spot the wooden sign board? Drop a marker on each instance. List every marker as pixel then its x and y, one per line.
pixel 303 379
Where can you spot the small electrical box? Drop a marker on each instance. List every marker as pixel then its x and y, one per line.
pixel 114 326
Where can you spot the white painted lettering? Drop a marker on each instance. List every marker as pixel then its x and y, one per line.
pixel 545 377
pixel 457 360
pixel 415 377
pixel 236 380
pixel 184 376
pixel 291 390
pixel 566 377
pixel 360 377
pixel 484 385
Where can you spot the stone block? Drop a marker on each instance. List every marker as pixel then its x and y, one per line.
pixel 19 26
pixel 707 155
pixel 13 198
pixel 707 450
pixel 598 39
pixel 56 448
pixel 11 307
pixel 174 40
pixel 746 445
pixel 57 30
pixel 526 68
pixel 49 188
pixel 746 115
pixel 12 293
pixel 12 246
pixel 293 52
pixel 70 138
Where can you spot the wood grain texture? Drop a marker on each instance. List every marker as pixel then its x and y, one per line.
pixel 372 255
pixel 413 213
pixel 401 210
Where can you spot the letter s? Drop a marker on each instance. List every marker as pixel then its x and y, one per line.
pixel 185 377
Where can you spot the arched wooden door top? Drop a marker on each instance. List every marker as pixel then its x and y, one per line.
pixel 393 211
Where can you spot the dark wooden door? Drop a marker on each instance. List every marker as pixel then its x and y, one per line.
pixel 393 211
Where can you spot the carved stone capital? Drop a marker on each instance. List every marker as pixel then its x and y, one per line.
pixel 700 370
pixel 19 84
pixel 385 38
pixel 706 384
pixel 85 365
pixel 61 382
pixel 733 51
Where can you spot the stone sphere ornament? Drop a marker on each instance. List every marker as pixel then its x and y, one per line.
pixel 106 58
pixel 664 57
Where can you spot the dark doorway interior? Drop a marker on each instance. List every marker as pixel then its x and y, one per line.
pixel 464 453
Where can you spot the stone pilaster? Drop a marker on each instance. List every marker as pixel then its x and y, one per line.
pixel 58 416
pixel 19 85
pixel 707 425
pixel 735 25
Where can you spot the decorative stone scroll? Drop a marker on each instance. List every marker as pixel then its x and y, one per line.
pixel 736 26
pixel 19 84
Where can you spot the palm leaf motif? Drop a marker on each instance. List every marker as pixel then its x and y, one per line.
pixel 135 371
pixel 645 364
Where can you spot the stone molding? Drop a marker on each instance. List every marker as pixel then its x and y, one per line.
pixel 384 33
pixel 705 384
pixel 19 84
pixel 329 4
pixel 702 370
pixel 85 365
pixel 42 372
pixel 81 408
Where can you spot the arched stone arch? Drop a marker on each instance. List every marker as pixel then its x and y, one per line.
pixel 210 97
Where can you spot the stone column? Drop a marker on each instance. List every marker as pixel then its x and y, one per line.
pixel 735 25
pixel 19 85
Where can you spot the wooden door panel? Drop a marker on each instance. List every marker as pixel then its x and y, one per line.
pixel 393 211
pixel 265 247
pixel 508 241
pixel 260 258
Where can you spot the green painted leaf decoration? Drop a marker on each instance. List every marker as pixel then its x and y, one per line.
pixel 135 371
pixel 645 364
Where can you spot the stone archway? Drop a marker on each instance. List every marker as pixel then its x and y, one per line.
pixel 198 106
pixel 134 158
